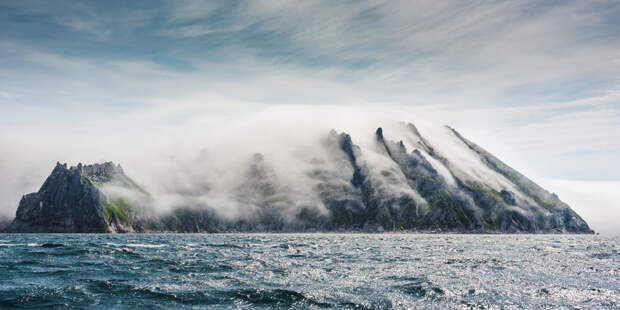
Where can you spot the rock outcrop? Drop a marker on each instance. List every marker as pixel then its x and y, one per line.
pixel 391 186
pixel 410 193
pixel 71 201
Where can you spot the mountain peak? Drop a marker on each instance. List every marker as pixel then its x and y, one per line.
pixel 106 169
pixel 379 134
pixel 70 200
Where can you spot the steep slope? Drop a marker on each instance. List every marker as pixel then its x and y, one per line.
pixel 484 193
pixel 398 178
pixel 449 184
pixel 75 200
pixel 373 200
pixel 545 209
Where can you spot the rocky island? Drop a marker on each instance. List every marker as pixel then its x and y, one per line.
pixel 411 184
pixel 71 200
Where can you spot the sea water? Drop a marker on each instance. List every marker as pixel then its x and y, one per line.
pixel 356 271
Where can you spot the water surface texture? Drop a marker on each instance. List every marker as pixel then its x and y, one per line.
pixel 309 271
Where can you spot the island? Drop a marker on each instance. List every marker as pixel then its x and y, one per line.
pixel 416 188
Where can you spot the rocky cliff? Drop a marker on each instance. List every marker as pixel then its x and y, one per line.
pixel 443 184
pixel 423 189
pixel 404 179
pixel 71 200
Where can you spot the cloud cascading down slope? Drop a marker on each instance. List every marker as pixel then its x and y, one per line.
pixel 534 83
pixel 397 177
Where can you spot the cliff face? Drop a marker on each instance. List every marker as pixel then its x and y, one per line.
pixel 421 189
pixel 70 201
pixel 405 179
pixel 446 183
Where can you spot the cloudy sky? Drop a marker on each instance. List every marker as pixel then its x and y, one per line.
pixel 535 82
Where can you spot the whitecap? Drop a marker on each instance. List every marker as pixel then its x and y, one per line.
pixel 142 245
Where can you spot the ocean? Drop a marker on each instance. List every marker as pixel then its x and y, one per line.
pixel 308 271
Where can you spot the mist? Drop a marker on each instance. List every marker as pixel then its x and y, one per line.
pixel 205 160
pixel 184 94
pixel 200 161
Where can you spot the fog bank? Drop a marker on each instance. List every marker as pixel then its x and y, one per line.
pixel 208 160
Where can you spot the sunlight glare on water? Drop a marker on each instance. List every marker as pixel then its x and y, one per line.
pixel 356 271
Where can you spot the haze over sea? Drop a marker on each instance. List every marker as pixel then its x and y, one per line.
pixel 356 271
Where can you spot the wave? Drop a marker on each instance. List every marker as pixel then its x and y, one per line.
pixel 52 245
pixel 143 245
pixel 344 272
pixel 46 245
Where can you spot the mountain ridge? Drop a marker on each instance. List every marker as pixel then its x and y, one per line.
pixel 408 184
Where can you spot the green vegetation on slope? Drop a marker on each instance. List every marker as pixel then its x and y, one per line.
pixel 117 208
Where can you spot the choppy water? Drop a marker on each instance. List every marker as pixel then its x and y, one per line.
pixel 309 271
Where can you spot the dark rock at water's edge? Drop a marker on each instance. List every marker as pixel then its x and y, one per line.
pixel 71 201
pixel 417 189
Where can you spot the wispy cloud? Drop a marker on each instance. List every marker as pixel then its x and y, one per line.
pixel 191 31
pixel 191 10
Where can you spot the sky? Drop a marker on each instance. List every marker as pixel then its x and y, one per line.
pixel 537 83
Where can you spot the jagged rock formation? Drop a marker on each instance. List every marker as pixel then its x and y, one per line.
pixel 72 201
pixel 422 198
pixel 416 182
pixel 390 186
